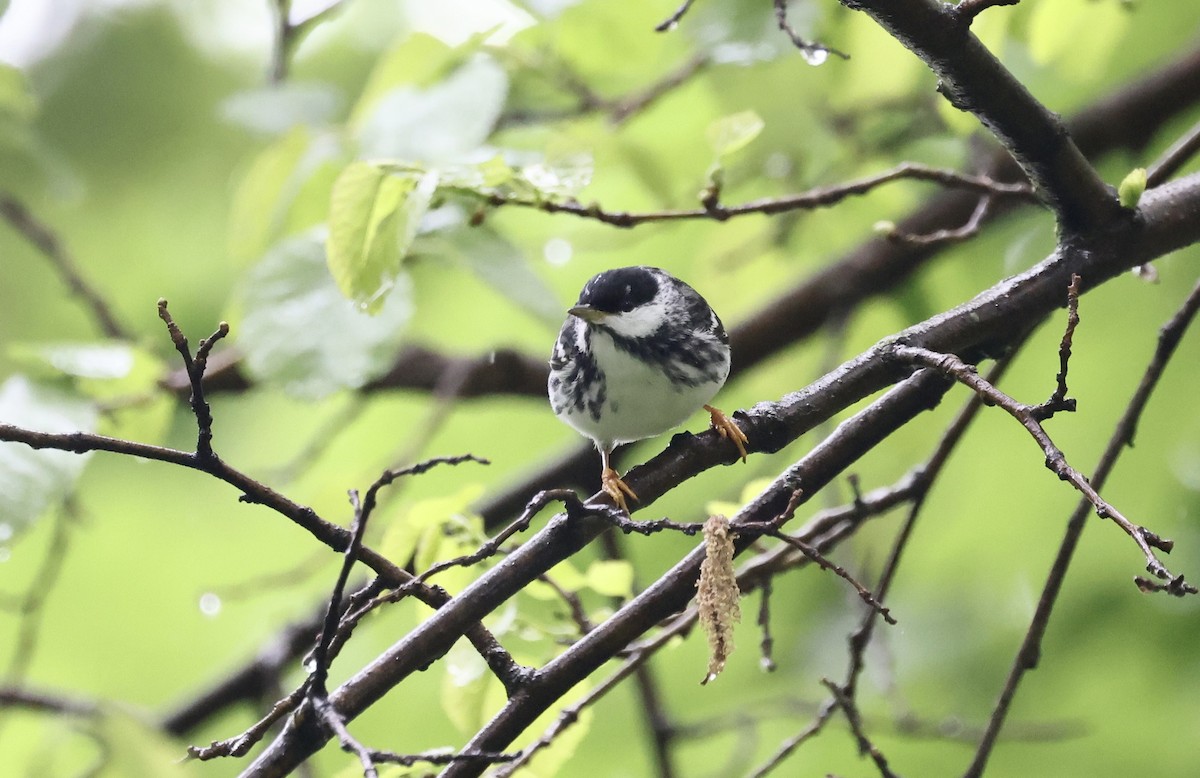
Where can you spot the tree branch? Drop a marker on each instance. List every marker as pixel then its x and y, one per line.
pixel 1169 219
pixel 1056 461
pixel 1129 118
pixel 1030 650
pixel 47 242
pixel 973 80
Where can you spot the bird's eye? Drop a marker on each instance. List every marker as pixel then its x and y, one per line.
pixel 627 303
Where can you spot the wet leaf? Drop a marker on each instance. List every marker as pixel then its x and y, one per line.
pixel 32 480
pixel 300 333
pixel 373 217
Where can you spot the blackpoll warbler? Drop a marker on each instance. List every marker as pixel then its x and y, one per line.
pixel 639 353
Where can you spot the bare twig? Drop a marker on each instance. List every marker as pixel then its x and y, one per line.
pixel 972 79
pixel 241 744
pixel 289 34
pixel 195 369
pixel 330 718
pixel 967 10
pixel 767 642
pixel 620 111
pixel 816 556
pixel 1058 399
pixel 1174 158
pixel 356 613
pixel 30 605
pixel 818 197
pixel 252 683
pixel 672 21
pixel 573 602
pixel 662 727
pixel 853 717
pixel 362 514
pixel 948 235
pixel 1056 461
pixel 47 242
pixel 49 702
pixel 1031 646
pixel 814 52
pixel 922 481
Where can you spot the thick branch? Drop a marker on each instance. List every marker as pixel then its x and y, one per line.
pixel 1128 118
pixel 1170 218
pixel 972 79
pixel 1030 651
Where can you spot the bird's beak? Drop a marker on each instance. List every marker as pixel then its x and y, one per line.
pixel 588 313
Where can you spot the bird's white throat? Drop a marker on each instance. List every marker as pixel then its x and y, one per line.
pixel 641 321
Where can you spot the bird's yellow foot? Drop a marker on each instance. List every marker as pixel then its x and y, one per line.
pixel 616 488
pixel 728 429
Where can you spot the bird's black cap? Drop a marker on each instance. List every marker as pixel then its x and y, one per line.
pixel 620 290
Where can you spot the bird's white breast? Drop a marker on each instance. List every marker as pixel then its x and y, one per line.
pixel 641 401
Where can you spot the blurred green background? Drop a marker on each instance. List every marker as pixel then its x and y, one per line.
pixel 149 138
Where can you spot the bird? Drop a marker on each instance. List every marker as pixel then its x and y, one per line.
pixel 639 353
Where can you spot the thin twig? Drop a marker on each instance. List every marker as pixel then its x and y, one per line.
pixel 332 719
pixel 814 198
pixel 814 52
pixel 1058 400
pixel 50 702
pixel 1056 461
pixel 624 109
pixel 968 230
pixel 241 744
pixel 922 481
pixel 1174 158
pixel 863 592
pixel 47 242
pixel 30 606
pixel 856 726
pixel 672 21
pixel 289 34
pixel 766 644
pixel 195 367
pixel 1031 646
pixel 967 10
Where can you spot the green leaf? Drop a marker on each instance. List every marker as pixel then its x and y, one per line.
pixel 300 333
pixel 134 748
pixel 549 761
pixel 495 172
pixel 438 125
pixel 501 265
pixel 99 370
pixel 469 693
pixel 406 533
pixel 1131 188
pixel 31 480
pixel 278 108
pixel 285 190
pixel 80 360
pixel 1056 29
pixel 612 578
pixel 420 60
pixel 733 133
pixel 562 173
pixel 16 100
pixel 567 576
pixel 373 218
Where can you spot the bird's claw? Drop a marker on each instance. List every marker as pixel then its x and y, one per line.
pixel 616 488
pixel 728 429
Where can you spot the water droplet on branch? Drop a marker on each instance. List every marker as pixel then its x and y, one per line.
pixel 815 56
